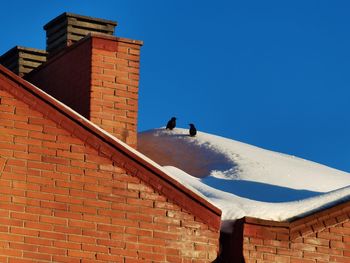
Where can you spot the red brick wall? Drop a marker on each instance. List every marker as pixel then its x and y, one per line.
pixel 63 201
pixel 323 237
pixel 266 243
pixel 114 89
pixel 98 77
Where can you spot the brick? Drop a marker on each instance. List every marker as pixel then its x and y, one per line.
pixel 40 150
pixel 317 241
pixel 37 241
pixel 24 231
pixel 301 260
pixel 40 165
pixel 81 254
pixel 55 190
pixel 339 245
pixel 68 215
pixel 110 228
pixel 97 203
pixel 83 194
pixel 54 205
pixel 53 220
pixel 317 256
pixel 69 185
pixel 95 234
pixel 24 216
pixel 140 202
pixel 144 218
pixel 67 245
pixel 98 188
pixel 111 243
pixel 110 258
pixel 329 236
pixel 13 192
pixel 70 170
pixel 95 248
pixel 304 247
pixel 81 224
pixel 66 259
pixel 329 251
pixel 52 235
pixel 12 207
pixel 52 251
pixel 40 135
pixel 10 252
pixel 82 239
pixel 38 225
pixel 40 180
pixel 38 256
pixel 275 243
pixel 55 160
pixel 38 210
pixel 340 230
pixel 338 259
pixel 21 246
pixel 124 252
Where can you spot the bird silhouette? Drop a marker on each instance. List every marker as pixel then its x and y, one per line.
pixel 193 130
pixel 171 124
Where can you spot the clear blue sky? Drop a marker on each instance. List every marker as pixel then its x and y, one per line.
pixel 270 73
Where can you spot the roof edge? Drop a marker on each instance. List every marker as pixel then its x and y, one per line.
pixel 310 223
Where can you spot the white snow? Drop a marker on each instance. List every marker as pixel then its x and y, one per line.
pixel 244 180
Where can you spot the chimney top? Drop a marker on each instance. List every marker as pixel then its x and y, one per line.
pixel 68 28
pixel 22 60
pixel 66 15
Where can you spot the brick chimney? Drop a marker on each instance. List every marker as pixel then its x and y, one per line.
pixel 68 28
pixel 96 74
pixel 22 60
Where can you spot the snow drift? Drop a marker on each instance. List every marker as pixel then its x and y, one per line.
pixel 244 180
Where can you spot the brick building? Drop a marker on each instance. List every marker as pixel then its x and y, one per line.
pixel 320 237
pixel 70 192
pixel 74 189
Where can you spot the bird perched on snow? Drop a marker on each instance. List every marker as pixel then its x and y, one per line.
pixel 171 124
pixel 193 130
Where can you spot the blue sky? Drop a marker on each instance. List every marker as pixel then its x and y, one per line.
pixel 270 73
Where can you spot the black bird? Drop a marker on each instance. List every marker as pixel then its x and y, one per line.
pixel 193 130
pixel 171 124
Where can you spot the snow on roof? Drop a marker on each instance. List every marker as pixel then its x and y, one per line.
pixel 244 180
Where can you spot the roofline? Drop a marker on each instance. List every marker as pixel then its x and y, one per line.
pixel 310 223
pixel 114 149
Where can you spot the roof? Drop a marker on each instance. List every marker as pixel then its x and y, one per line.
pixel 123 155
pixel 245 180
pixel 310 224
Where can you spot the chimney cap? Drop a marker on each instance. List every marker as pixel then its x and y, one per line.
pixel 80 17
pixel 22 60
pixel 67 29
pixel 25 49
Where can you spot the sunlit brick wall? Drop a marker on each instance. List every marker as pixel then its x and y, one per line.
pixel 323 237
pixel 64 201
pixel 114 87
